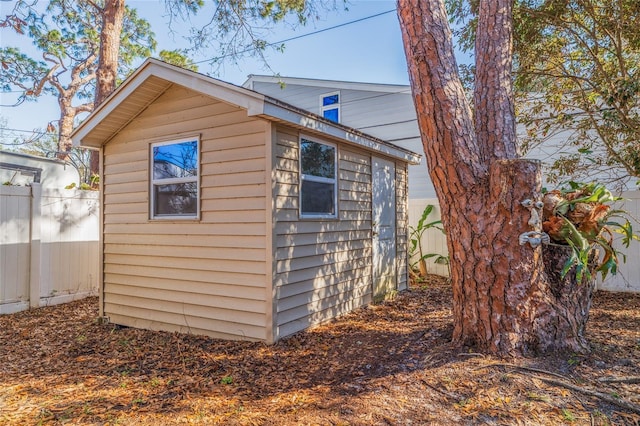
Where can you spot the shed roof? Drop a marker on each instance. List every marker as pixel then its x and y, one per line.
pixel 155 77
pixel 329 84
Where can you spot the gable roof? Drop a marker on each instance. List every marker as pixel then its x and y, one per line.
pixel 154 77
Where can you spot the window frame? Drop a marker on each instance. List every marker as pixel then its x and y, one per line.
pixel 337 105
pixel 311 178
pixel 173 181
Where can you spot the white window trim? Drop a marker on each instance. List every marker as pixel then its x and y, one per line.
pixel 170 181
pixel 338 106
pixel 312 178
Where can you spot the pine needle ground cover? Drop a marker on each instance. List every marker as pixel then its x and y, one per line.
pixel 387 364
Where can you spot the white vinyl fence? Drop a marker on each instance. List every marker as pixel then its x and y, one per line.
pixel 628 276
pixel 49 246
pixel 433 240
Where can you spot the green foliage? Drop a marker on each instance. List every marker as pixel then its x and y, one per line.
pixel 579 216
pixel 416 253
pixel 67 33
pixel 178 58
pixel 577 76
pixel 568 415
pixel 240 28
pixel 583 60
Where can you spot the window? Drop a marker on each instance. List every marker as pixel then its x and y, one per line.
pixel 318 185
pixel 174 180
pixel 330 106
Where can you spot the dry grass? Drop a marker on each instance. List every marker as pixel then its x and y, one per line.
pixel 389 364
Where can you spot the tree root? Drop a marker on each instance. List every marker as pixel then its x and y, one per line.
pixel 603 396
pixel 631 380
pixel 529 369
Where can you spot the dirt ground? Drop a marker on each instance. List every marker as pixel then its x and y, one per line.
pixel 388 364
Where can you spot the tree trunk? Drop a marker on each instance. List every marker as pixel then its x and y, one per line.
pixel 65 127
pixel 107 72
pixel 571 299
pixel 500 289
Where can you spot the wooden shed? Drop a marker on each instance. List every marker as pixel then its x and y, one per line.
pixel 231 214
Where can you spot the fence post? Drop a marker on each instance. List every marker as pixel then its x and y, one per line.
pixel 34 245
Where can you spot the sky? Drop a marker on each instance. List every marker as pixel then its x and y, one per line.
pixel 368 50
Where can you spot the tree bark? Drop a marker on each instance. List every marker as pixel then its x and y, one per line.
pixel 500 288
pixel 65 127
pixel 112 21
pixel 571 300
pixel 107 72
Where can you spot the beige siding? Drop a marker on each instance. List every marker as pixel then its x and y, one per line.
pixel 323 267
pixel 204 276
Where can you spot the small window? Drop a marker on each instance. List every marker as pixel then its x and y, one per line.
pixel 318 187
pixel 330 106
pixel 174 180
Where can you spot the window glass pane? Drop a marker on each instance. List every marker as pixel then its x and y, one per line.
pixel 176 160
pixel 318 159
pixel 317 198
pixel 178 199
pixel 330 100
pixel 331 114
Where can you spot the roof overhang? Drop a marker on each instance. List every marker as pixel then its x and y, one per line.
pixel 153 78
pixel 328 84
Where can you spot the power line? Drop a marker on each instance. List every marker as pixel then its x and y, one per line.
pixel 298 37
pixel 21 130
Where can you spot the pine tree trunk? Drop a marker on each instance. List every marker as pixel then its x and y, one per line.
pixel 571 300
pixel 65 126
pixel 503 301
pixel 107 72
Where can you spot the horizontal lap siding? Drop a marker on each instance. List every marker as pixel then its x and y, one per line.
pixel 323 267
pixel 402 224
pixel 207 276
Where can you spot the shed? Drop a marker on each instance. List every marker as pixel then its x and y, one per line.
pixel 231 214
pixel 23 169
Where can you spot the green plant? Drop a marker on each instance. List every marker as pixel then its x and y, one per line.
pixel 226 380
pixel 574 360
pixel 568 415
pixel 579 215
pixel 415 242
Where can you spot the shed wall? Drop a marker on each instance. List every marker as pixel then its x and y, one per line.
pixel 324 267
pixel 390 116
pixel 402 224
pixel 205 276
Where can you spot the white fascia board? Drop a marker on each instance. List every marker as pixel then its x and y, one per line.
pixel 351 136
pixel 329 84
pixel 248 99
pixel 108 106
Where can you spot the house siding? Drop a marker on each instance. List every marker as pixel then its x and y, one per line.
pixel 389 115
pixel 323 267
pixel 205 276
